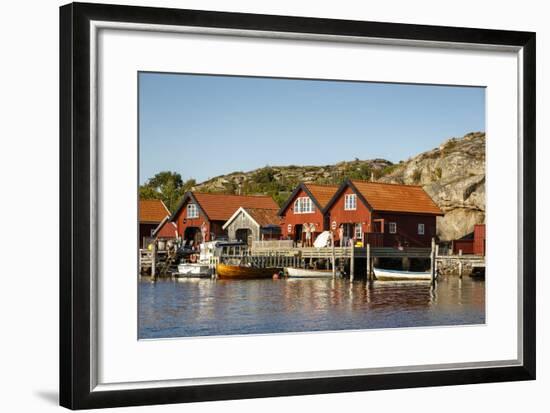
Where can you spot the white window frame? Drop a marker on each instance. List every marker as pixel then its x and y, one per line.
pixel 421 229
pixel 350 202
pixel 303 205
pixel 358 234
pixel 195 211
pixel 392 227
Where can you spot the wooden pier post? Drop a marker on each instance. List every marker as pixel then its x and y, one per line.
pixel 352 262
pixel 154 260
pixel 368 263
pixel 333 255
pixel 436 255
pixel 432 262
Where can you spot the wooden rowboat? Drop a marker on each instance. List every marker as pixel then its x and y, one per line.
pixel 238 272
pixel 308 273
pixel 397 275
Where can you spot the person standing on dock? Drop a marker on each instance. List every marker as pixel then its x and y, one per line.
pixel 341 234
pixel 307 229
pixel 204 230
pixel 312 229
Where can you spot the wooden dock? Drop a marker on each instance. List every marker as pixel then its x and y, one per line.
pixel 156 263
pixel 461 264
pixel 332 257
pixel 281 254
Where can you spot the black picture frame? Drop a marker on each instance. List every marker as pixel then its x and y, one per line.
pixel 75 196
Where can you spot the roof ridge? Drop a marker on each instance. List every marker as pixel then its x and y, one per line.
pixel 325 185
pixel 221 193
pixel 386 183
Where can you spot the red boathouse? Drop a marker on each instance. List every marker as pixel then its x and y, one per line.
pixel 388 215
pixel 306 206
pixel 472 243
pixel 200 216
pixel 151 213
pixel 166 229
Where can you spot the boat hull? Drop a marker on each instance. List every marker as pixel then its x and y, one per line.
pixel 307 273
pixel 237 272
pixel 193 271
pixel 395 275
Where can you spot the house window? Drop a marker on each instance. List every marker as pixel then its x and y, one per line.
pixel 358 234
pixel 192 211
pixel 303 205
pixel 350 202
pixel 420 229
pixel 392 227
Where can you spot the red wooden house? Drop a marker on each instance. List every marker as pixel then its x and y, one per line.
pixel 479 239
pixel 306 205
pixel 151 213
pixel 201 216
pixel 166 229
pixel 389 215
pixel 472 243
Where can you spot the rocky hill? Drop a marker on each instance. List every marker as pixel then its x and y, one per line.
pixel 453 174
pixel 280 181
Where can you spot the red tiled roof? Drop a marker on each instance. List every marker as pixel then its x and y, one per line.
pixel 220 207
pixel 264 217
pixel 152 210
pixel 322 193
pixel 397 198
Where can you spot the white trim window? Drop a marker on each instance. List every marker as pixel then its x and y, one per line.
pixel 358 232
pixel 192 211
pixel 350 202
pixel 421 229
pixel 392 227
pixel 303 205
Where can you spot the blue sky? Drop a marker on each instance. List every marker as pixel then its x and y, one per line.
pixel 204 126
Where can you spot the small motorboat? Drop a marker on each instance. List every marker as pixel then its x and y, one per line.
pixel 193 270
pixel 308 273
pixel 240 272
pixel 398 275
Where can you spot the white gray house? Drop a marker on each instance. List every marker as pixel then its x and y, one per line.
pixel 253 224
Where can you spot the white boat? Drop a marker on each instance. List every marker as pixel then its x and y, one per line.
pixel 194 270
pixel 308 273
pixel 397 275
pixel 322 240
pixel 201 268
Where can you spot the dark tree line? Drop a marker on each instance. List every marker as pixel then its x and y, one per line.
pixel 167 186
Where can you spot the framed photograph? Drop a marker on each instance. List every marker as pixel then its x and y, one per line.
pixel 257 206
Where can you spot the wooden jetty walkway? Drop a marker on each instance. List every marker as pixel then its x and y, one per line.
pixel 157 262
pixel 284 254
pixel 334 257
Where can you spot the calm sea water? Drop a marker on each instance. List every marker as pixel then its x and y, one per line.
pixel 186 308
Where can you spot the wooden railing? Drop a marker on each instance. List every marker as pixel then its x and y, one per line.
pixel 326 252
pixel 385 239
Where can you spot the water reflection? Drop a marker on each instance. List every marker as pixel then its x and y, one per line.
pixel 193 307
